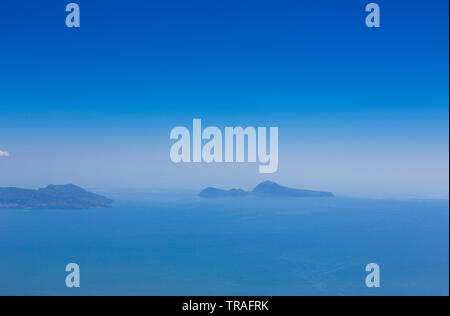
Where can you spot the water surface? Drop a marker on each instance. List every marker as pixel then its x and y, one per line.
pixel 151 244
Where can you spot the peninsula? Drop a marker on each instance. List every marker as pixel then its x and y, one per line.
pixel 52 197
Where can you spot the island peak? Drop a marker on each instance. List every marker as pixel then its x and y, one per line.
pixel 264 189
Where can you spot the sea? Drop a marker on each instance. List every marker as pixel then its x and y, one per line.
pixel 181 244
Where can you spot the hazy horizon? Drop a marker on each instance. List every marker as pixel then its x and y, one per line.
pixel 195 190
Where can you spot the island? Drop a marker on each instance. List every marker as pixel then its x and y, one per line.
pixel 264 189
pixel 52 197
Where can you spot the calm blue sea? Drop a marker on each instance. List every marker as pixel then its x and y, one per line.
pixel 150 244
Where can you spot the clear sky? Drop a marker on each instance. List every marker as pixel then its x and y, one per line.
pixel 360 111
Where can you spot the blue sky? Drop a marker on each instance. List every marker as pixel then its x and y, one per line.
pixel 360 111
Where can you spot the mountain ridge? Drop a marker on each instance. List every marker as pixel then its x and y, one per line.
pixel 68 196
pixel 264 189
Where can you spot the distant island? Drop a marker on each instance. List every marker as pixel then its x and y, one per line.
pixel 52 197
pixel 264 189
